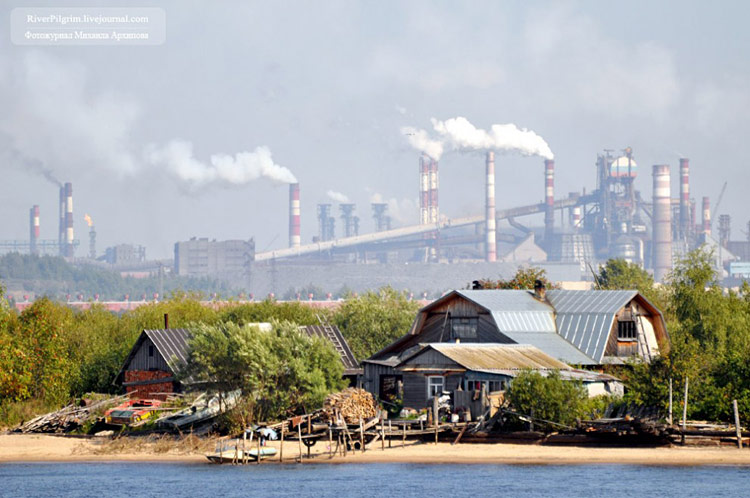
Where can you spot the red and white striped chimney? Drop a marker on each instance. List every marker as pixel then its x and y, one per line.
pixel 294 216
pixel 707 216
pixel 69 236
pixel 434 185
pixel 424 189
pixel 549 199
pixel 662 223
pixel 33 229
pixel 684 198
pixel 491 240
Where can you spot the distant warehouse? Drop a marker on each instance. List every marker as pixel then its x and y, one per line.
pixel 203 257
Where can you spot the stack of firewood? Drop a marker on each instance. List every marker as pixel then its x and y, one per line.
pixel 351 404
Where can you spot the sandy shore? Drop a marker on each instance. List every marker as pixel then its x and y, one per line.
pixel 37 448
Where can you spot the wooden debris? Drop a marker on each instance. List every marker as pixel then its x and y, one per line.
pixel 352 404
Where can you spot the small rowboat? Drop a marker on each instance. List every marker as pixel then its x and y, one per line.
pixel 231 455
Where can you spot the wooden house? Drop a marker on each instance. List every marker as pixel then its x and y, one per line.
pixel 582 328
pixel 150 369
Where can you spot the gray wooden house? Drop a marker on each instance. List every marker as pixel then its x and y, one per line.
pixel 582 328
pixel 151 367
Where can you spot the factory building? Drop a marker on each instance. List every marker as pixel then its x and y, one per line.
pixel 223 259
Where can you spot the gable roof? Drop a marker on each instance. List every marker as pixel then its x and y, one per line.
pixel 172 344
pixel 491 357
pixel 571 325
pixel 526 320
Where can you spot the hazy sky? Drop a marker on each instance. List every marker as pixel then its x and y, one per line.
pixel 326 86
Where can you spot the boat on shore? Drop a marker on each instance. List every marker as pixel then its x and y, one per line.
pixel 232 455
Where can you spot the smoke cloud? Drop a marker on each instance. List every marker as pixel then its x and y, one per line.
pixel 401 211
pixel 420 140
pixel 460 135
pixel 177 158
pixel 337 196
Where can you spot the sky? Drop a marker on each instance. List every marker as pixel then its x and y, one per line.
pixel 197 136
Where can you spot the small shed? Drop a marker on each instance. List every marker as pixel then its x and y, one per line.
pixel 150 369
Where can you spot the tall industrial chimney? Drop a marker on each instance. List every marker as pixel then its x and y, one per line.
pixel 61 226
pixel 294 216
pixel 69 248
pixel 33 229
pixel 491 240
pixel 549 200
pixel 434 185
pixel 424 189
pixel 707 217
pixel 662 223
pixel 684 233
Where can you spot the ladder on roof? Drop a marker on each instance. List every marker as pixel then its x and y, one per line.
pixel 332 336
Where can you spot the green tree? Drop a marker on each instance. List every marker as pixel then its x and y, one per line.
pixel 280 372
pixel 618 274
pixel 547 397
pixel 525 278
pixel 374 319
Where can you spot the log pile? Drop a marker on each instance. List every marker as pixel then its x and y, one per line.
pixel 353 404
pixel 67 419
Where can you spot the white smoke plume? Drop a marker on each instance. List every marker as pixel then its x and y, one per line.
pixel 401 211
pixel 337 196
pixel 460 135
pixel 177 157
pixel 420 140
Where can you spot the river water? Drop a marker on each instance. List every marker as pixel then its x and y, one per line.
pixel 392 480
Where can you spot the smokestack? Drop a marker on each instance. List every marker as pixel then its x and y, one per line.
pixel 61 226
pixel 725 230
pixel 491 241
pixel 662 223
pixel 684 199
pixel 92 242
pixel 424 189
pixel 294 216
pixel 69 249
pixel 549 200
pixel 33 229
pixel 434 184
pixel 706 217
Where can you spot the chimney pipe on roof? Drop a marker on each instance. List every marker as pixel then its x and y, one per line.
pixel 540 290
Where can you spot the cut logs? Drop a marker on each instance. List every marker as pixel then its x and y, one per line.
pixel 353 404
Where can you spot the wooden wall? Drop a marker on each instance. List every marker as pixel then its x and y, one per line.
pixel 142 361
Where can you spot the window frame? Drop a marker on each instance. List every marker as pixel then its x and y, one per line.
pixel 430 394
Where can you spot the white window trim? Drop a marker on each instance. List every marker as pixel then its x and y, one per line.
pixel 429 384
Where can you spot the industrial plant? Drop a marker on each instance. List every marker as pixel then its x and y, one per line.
pixel 439 252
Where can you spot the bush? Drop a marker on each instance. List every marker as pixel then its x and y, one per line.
pixel 547 398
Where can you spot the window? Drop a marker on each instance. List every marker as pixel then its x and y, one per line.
pixel 626 330
pixel 434 385
pixel 463 328
pixel 390 387
pixel 151 351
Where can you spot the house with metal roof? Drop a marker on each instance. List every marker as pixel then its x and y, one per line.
pixel 152 367
pixel 583 328
pixel 469 368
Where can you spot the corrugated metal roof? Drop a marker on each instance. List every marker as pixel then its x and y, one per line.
pixel 589 301
pixel 172 344
pixel 483 356
pixel 526 320
pixel 585 318
pixel 351 366
pixel 505 300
